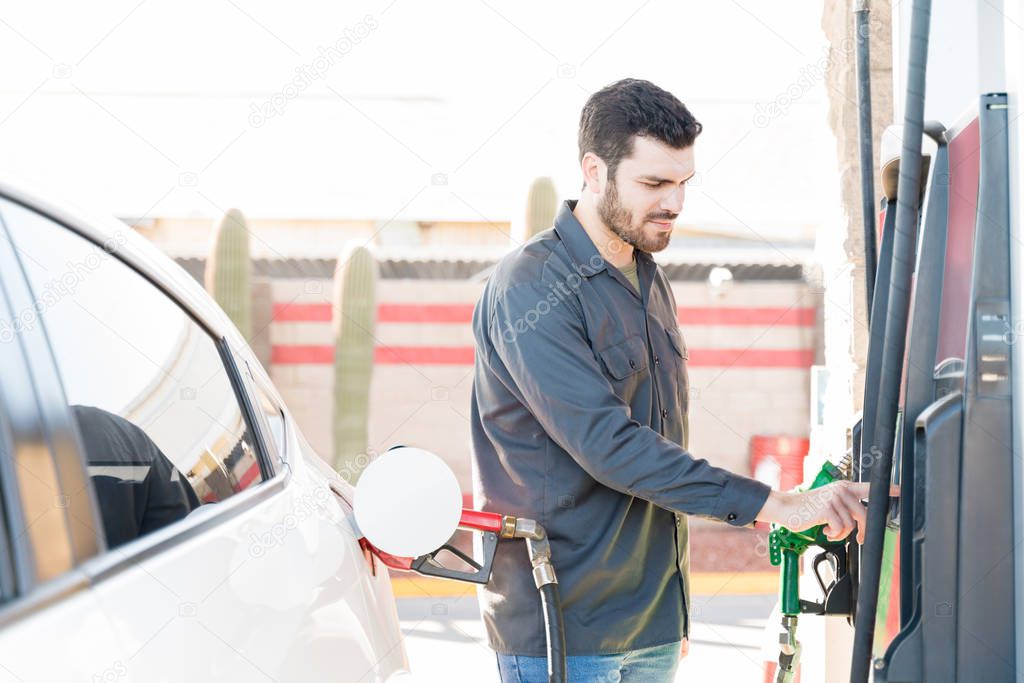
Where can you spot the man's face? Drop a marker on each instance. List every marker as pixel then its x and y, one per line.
pixel 641 202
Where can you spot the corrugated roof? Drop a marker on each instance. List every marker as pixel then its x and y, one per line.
pixel 464 269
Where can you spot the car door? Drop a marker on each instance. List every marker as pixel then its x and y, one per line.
pixel 51 624
pixel 228 556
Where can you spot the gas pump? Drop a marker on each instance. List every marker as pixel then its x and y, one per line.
pixel 938 412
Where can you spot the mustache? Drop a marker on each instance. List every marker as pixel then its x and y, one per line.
pixel 670 217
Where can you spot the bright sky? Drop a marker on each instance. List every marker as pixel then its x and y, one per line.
pixel 427 111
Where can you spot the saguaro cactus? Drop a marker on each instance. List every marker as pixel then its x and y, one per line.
pixel 228 273
pixel 354 321
pixel 541 206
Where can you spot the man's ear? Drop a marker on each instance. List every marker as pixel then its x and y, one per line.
pixel 595 172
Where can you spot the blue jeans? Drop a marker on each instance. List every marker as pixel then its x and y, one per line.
pixel 647 665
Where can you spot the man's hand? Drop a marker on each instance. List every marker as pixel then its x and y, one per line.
pixel 684 648
pixel 837 505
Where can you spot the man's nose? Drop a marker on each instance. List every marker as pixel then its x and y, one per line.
pixel 673 201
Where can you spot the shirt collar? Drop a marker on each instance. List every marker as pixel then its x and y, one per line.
pixel 580 247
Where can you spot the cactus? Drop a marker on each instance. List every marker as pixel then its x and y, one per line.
pixel 541 206
pixel 354 320
pixel 228 273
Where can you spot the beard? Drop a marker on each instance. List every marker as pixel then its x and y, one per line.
pixel 620 220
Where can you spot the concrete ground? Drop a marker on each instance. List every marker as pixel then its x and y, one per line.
pixel 446 642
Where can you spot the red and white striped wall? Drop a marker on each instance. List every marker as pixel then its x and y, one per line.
pixel 750 350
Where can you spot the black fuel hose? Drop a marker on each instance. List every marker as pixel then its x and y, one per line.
pixel 862 12
pixel 555 629
pixel 908 195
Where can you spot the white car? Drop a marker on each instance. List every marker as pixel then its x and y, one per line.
pixel 161 516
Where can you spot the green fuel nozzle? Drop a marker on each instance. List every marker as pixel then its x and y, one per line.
pixel 785 546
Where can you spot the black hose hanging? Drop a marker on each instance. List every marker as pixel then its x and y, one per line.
pixel 908 201
pixel 555 629
pixel 862 27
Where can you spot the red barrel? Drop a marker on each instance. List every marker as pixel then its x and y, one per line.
pixel 779 460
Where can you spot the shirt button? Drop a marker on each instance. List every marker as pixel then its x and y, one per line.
pixel 664 413
pixel 657 360
pixel 731 517
pixel 632 363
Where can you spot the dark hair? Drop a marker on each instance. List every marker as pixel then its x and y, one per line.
pixel 630 107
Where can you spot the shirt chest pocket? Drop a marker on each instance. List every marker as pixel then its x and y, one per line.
pixel 675 338
pixel 625 359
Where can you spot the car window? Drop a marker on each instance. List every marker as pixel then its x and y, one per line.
pixel 159 419
pixel 268 413
pixel 275 418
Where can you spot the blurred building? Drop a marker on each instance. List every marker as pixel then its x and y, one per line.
pixel 750 315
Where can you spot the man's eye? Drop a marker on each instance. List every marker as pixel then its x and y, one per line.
pixel 654 184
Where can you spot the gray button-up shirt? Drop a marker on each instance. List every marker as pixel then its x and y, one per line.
pixel 579 410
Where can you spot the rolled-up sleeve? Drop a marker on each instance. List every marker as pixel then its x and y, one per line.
pixel 538 338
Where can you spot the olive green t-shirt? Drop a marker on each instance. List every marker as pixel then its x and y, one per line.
pixel 630 273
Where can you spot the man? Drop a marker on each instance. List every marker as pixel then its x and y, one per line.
pixel 579 412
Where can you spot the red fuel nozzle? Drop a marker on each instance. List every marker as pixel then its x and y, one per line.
pixel 490 524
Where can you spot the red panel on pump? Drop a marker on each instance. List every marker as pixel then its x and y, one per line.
pixel 963 208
